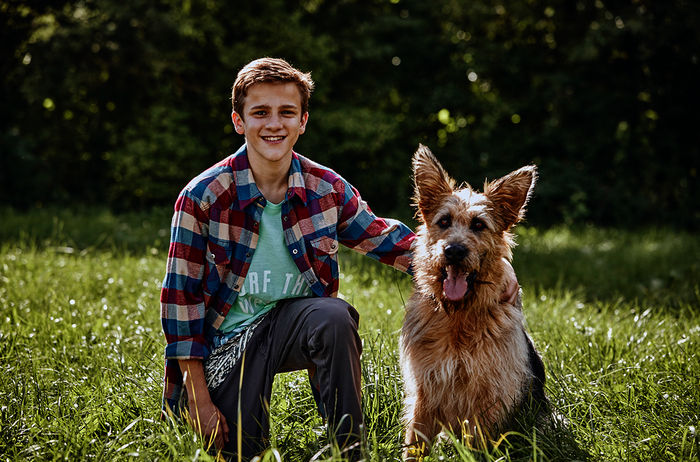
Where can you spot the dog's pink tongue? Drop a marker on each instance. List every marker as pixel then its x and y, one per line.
pixel 454 285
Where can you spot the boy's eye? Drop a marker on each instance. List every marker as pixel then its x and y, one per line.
pixel 259 113
pixel 445 222
pixel 477 225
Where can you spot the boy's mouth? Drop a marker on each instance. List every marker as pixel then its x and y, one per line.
pixel 456 283
pixel 273 139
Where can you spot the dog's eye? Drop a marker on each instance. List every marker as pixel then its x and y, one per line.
pixel 477 225
pixel 445 222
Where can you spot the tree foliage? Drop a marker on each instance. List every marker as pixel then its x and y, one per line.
pixel 122 102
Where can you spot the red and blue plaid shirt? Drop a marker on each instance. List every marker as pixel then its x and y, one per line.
pixel 215 232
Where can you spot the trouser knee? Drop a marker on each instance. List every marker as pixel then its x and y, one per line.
pixel 336 322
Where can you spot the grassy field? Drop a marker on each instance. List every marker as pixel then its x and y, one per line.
pixel 616 315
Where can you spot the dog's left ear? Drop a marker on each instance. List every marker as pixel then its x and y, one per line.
pixel 510 194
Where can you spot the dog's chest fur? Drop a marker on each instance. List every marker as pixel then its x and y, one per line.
pixel 468 365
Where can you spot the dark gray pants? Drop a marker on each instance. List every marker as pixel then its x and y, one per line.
pixel 319 334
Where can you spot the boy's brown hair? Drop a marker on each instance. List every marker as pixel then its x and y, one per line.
pixel 270 70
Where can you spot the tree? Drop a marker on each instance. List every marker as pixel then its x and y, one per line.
pixel 121 103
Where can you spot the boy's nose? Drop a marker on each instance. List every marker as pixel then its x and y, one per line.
pixel 274 121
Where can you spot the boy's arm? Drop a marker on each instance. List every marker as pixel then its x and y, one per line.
pixel 383 239
pixel 182 314
pixel 182 295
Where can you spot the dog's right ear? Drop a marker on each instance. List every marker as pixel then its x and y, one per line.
pixel 432 183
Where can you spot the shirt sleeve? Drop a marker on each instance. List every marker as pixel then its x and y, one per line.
pixel 383 239
pixel 182 295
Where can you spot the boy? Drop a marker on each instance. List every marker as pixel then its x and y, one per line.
pixel 252 273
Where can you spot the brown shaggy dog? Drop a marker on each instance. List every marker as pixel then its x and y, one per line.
pixel 466 358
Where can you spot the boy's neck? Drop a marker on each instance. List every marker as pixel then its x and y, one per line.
pixel 272 178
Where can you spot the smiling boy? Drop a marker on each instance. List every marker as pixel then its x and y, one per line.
pixel 252 273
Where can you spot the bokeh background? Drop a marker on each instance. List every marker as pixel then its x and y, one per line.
pixel 118 103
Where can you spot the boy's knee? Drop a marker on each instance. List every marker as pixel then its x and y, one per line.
pixel 339 312
pixel 336 320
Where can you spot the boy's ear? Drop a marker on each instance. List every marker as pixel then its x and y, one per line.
pixel 238 123
pixel 304 120
pixel 510 194
pixel 432 183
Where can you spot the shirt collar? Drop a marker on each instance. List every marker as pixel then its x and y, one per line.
pixel 246 189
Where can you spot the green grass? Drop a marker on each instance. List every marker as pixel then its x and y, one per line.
pixel 614 313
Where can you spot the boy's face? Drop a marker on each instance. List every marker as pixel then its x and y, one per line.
pixel 272 121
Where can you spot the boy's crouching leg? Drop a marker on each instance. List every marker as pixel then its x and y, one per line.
pixel 322 337
pixel 335 349
pixel 330 343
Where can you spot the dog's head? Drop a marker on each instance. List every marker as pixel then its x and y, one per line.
pixel 463 233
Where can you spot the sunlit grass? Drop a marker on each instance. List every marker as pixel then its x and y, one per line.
pixel 614 313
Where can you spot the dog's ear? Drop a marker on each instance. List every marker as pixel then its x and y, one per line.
pixel 510 194
pixel 432 183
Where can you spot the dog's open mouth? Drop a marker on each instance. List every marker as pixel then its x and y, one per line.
pixel 456 283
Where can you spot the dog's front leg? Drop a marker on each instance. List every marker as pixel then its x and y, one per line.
pixel 422 429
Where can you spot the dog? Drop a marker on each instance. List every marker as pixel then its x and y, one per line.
pixel 467 361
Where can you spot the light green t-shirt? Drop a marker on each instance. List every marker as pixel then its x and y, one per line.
pixel 272 276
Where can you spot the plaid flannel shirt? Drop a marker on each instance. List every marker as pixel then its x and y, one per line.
pixel 215 232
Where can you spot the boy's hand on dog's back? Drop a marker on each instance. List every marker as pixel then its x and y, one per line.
pixel 510 294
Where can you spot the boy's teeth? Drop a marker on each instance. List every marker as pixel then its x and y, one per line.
pixel 273 138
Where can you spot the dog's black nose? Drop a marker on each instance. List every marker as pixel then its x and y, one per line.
pixel 455 253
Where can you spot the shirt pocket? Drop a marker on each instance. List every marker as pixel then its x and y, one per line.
pixel 218 254
pixel 325 245
pixel 218 264
pixel 324 258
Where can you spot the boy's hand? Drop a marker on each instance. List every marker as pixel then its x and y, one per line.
pixel 208 421
pixel 205 417
pixel 510 294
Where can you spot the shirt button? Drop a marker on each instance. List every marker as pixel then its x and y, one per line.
pixel 285 218
pixel 295 251
pixel 213 257
pixel 248 255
